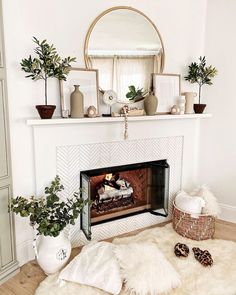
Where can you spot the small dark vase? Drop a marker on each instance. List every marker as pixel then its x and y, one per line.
pixel 45 111
pixel 199 108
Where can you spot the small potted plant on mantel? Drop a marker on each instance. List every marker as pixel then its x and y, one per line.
pixel 135 95
pixel 47 64
pixel 201 74
pixel 49 216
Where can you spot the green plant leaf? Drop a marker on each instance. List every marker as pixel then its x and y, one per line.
pixel 201 74
pixel 49 214
pixel 46 64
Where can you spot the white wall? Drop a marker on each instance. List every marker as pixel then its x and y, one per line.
pixel 218 139
pixel 65 23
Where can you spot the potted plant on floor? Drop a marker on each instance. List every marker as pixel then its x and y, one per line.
pixel 47 64
pixel 201 74
pixel 49 216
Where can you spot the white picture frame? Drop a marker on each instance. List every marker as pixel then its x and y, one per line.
pixel 89 86
pixel 166 88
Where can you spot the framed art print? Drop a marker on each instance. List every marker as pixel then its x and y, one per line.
pixel 88 81
pixel 166 88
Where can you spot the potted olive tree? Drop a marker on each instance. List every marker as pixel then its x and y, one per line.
pixel 201 74
pixel 49 216
pixel 47 64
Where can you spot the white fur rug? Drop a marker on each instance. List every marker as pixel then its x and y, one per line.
pixel 220 279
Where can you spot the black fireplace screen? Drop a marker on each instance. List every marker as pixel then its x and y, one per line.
pixel 122 191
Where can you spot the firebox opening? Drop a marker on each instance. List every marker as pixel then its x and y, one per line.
pixel 120 191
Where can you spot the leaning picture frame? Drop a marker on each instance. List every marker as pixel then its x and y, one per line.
pixel 88 81
pixel 166 88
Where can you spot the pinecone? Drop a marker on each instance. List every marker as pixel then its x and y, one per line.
pixel 204 257
pixel 181 250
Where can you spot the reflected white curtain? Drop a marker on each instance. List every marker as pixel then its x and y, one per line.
pixel 119 72
pixel 133 71
pixel 105 67
pixel 158 60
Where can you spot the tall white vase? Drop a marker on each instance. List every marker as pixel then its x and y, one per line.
pixel 189 102
pixel 52 253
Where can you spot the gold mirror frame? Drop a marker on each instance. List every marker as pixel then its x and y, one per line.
pixel 86 59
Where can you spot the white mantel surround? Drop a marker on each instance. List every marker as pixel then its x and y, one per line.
pixel 51 136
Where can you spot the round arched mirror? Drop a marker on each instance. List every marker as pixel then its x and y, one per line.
pixel 126 47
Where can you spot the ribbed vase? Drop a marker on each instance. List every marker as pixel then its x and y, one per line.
pixel 150 104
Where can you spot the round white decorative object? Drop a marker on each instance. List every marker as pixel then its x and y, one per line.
pixel 175 110
pixel 92 112
pixel 52 253
pixel 109 97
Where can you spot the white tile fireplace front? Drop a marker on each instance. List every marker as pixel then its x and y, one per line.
pixel 71 160
pixel 67 146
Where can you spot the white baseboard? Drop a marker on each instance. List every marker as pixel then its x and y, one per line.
pixel 11 272
pixel 228 213
pixel 25 252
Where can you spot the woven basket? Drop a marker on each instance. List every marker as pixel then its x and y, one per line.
pixel 197 228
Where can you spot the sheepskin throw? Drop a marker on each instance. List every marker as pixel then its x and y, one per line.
pixel 195 278
pixel 145 269
pixel 211 205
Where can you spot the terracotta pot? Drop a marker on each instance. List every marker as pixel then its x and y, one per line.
pixel 199 108
pixel 45 111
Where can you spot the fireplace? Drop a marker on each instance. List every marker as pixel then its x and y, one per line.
pixel 121 191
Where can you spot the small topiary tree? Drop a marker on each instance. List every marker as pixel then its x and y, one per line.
pixel 46 65
pixel 201 74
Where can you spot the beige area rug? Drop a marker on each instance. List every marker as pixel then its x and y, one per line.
pixel 220 279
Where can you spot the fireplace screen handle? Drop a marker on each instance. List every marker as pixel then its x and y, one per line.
pixel 160 191
pixel 85 217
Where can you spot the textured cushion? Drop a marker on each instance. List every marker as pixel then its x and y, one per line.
pixel 95 266
pixel 145 269
pixel 189 204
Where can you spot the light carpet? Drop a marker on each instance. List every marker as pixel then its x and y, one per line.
pixel 220 279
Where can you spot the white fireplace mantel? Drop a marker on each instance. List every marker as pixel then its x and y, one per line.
pixel 68 146
pixel 65 121
pixel 49 134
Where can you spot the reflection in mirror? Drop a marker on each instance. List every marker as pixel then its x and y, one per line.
pixel 125 46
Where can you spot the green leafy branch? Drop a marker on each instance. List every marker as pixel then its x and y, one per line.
pixel 50 215
pixel 134 93
pixel 47 64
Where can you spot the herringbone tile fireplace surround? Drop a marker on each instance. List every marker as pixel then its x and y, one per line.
pixel 75 158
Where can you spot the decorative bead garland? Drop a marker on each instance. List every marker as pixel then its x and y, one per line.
pixel 125 110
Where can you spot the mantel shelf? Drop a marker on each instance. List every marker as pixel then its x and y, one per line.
pixel 62 121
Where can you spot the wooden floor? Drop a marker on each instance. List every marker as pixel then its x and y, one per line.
pixel 27 281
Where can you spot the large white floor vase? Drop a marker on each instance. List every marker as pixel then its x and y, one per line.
pixel 52 253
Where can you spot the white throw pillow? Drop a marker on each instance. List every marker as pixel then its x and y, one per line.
pixel 95 266
pixel 189 204
pixel 145 269
pixel 211 207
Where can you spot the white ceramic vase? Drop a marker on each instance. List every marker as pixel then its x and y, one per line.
pixel 189 102
pixel 52 253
